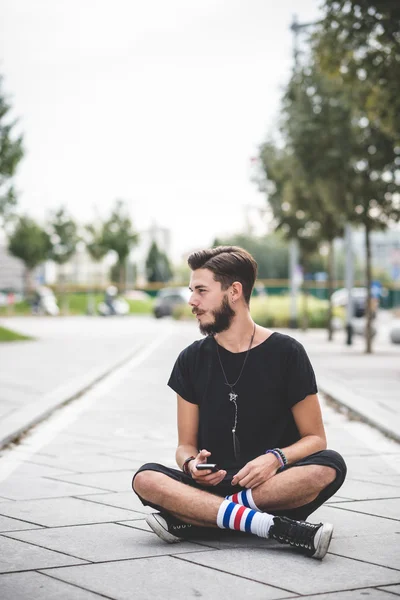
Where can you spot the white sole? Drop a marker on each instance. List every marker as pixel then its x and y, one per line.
pixel 155 521
pixel 323 541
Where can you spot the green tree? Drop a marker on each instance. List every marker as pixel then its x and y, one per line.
pixel 119 235
pixel 158 268
pixel 11 152
pixel 30 243
pixel 359 40
pixel 64 237
pixel 357 46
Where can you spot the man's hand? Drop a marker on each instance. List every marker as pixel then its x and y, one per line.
pixel 206 478
pixel 257 471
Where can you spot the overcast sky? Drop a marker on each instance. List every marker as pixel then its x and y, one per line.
pixel 159 102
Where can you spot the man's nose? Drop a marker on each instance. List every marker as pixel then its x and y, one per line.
pixel 192 300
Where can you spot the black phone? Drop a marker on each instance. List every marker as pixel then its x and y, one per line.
pixel 208 467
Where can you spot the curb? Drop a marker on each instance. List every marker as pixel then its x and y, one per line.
pixel 355 404
pixel 20 421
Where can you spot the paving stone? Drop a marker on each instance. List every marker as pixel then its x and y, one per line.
pixel 394 589
pixel 368 490
pixel 371 466
pixel 30 586
pixel 18 556
pixel 18 488
pixel 348 524
pixel 388 507
pixel 164 577
pixel 7 524
pixel 119 481
pixel 106 541
pixel 283 567
pixel 127 500
pixel 85 463
pixel 382 549
pixel 56 512
pixel 361 594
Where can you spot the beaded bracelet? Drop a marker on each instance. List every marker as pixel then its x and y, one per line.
pixel 277 455
pixel 282 455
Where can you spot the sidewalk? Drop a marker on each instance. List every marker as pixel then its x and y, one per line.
pixel 71 528
pixel 368 385
pixel 67 356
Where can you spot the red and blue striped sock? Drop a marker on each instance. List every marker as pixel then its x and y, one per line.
pixel 238 517
pixel 245 498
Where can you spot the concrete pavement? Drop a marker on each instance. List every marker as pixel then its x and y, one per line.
pixel 71 527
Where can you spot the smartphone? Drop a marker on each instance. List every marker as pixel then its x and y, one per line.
pixel 208 467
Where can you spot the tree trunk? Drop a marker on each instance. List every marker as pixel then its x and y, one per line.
pixel 304 289
pixel 330 289
pixel 368 308
pixel 121 276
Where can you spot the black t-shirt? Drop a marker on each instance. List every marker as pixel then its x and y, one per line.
pixel 277 375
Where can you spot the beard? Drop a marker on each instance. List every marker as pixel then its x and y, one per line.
pixel 223 317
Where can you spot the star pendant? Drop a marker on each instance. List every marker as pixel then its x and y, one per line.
pixel 232 396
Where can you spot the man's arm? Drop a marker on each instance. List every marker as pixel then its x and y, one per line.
pixel 188 427
pixel 308 418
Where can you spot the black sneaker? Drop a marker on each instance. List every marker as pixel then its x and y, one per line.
pixel 171 530
pixel 311 540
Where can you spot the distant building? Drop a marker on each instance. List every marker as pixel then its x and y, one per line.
pixel 11 271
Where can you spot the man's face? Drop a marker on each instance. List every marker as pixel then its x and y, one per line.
pixel 209 303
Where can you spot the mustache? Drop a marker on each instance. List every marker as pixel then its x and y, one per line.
pixel 197 312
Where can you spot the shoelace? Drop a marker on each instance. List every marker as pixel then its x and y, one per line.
pixel 300 535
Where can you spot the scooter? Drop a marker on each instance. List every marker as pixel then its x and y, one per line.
pixel 119 307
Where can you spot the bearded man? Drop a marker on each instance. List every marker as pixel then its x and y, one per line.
pixel 251 440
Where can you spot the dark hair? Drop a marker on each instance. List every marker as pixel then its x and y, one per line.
pixel 228 264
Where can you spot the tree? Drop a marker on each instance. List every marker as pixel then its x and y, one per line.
pixel 357 46
pixel 11 152
pixel 63 232
pixel 360 39
pixel 158 268
pixel 31 244
pixel 118 235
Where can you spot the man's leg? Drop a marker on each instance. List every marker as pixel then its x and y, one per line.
pixel 198 507
pixel 293 488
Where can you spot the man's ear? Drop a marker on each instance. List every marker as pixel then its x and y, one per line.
pixel 236 291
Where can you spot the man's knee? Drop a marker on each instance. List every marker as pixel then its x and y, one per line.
pixel 145 481
pixel 323 475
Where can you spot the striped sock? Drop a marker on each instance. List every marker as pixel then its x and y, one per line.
pixel 238 517
pixel 245 498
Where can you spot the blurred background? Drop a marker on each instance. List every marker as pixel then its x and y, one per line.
pixel 133 133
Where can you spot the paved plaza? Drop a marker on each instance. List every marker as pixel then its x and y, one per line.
pixel 70 526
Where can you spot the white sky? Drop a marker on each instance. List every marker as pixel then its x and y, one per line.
pixel 159 102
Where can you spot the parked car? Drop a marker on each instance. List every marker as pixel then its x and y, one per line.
pixel 359 297
pixel 167 299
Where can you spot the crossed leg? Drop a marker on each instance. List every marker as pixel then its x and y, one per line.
pixel 290 489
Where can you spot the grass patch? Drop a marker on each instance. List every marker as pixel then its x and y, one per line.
pixel 7 335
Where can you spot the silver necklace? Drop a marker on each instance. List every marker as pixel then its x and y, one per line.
pixel 233 395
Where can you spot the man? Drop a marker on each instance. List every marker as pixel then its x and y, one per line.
pixel 247 398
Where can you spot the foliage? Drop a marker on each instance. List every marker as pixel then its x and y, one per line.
pixel 118 235
pixel 158 267
pixel 11 152
pixel 360 40
pixel 63 235
pixel 95 244
pixel 270 252
pixel 29 242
